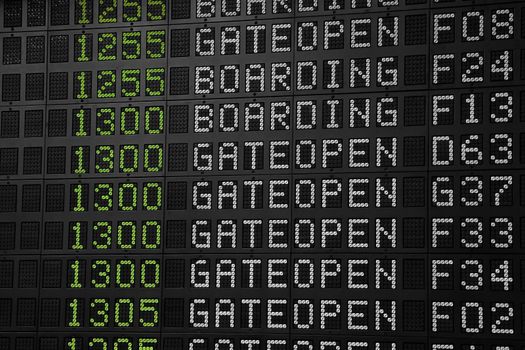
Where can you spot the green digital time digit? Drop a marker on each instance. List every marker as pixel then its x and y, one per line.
pixel 77 235
pixel 72 315
pixel 151 233
pixel 106 84
pixel 103 198
pixel 124 312
pixel 123 343
pixel 130 82
pixel 80 160
pixel 149 312
pixel 155 82
pixel 83 47
pixel 126 234
pixel 131 45
pixel 131 11
pixel 105 121
pixel 104 159
pixel 100 273
pixel 153 157
pixel 74 343
pixel 82 85
pixel 129 120
pixel 75 267
pixel 150 274
pixel 156 10
pixel 79 197
pixel 129 158
pixel 127 196
pixel 148 343
pixel 107 46
pixel 99 343
pixel 154 120
pixel 102 235
pixel 107 11
pixel 155 44
pixel 152 196
pixel 81 121
pixel 125 274
pixel 99 315
pixel 83 11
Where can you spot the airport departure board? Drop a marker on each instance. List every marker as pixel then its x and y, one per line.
pixel 262 175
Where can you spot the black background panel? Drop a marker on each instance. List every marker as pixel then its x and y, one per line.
pixel 262 175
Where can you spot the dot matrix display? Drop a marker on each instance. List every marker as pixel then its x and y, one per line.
pixel 262 175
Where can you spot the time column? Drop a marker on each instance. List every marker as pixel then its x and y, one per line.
pixel 104 176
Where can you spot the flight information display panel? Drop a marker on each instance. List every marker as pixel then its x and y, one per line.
pixel 262 175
